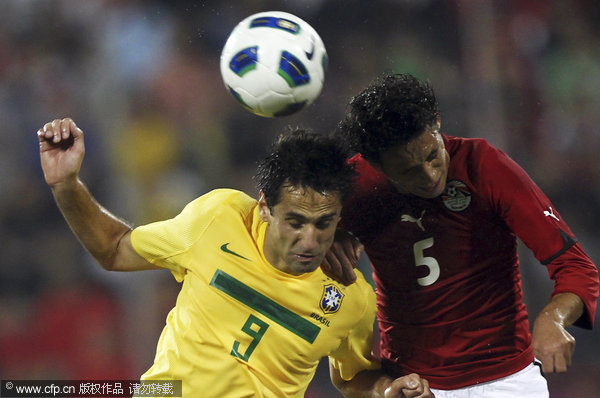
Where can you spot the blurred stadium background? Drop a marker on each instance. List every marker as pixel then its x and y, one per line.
pixel 141 78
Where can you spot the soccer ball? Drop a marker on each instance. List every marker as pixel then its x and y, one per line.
pixel 274 63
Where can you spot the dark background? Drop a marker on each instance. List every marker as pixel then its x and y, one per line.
pixel 141 78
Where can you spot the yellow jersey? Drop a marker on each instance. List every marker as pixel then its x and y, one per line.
pixel 241 327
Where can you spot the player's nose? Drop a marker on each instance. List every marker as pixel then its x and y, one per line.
pixel 309 239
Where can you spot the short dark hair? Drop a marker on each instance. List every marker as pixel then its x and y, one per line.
pixel 392 110
pixel 302 158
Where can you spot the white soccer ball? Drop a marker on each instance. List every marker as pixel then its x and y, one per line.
pixel 274 63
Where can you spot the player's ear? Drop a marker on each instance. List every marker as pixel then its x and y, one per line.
pixel 263 207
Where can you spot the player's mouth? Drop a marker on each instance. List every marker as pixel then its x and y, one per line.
pixel 429 191
pixel 305 257
pixel 435 189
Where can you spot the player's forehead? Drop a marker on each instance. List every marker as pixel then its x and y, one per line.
pixel 415 152
pixel 305 201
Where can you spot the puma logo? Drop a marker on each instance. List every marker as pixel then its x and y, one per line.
pixel 550 214
pixel 409 218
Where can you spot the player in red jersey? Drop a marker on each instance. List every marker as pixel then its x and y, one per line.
pixel 439 217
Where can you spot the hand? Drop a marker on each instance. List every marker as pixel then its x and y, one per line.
pixel 552 344
pixel 61 151
pixel 342 257
pixel 410 386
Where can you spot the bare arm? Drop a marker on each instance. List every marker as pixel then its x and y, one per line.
pixel 376 384
pixel 105 236
pixel 552 344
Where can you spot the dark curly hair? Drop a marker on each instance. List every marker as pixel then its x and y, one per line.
pixel 394 109
pixel 303 158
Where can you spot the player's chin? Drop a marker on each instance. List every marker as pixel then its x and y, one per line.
pixel 431 192
pixel 304 264
pixel 427 194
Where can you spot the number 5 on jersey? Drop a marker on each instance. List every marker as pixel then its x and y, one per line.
pixel 429 262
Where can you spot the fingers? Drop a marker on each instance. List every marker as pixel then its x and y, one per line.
pixel 426 390
pixel 557 363
pixel 353 254
pixel 345 262
pixel 326 266
pixel 410 386
pixel 358 250
pixel 348 254
pixel 76 131
pixel 339 263
pixel 62 134
pixel 349 274
pixel 332 267
pixel 553 346
pixel 561 363
pixel 48 132
pixel 350 251
pixel 59 130
pixel 547 363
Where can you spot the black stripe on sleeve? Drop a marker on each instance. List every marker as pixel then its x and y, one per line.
pixel 568 241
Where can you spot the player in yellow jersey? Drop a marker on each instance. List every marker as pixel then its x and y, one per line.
pixel 255 313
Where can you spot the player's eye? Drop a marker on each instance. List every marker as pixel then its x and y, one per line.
pixel 323 224
pixel 433 156
pixel 410 171
pixel 295 224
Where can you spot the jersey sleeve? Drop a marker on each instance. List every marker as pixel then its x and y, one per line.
pixel 528 212
pixel 574 272
pixel 355 352
pixel 167 243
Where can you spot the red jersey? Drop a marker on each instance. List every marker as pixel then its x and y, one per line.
pixel 447 272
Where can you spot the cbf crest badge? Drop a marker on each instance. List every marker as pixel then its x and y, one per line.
pixel 456 196
pixel 331 301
